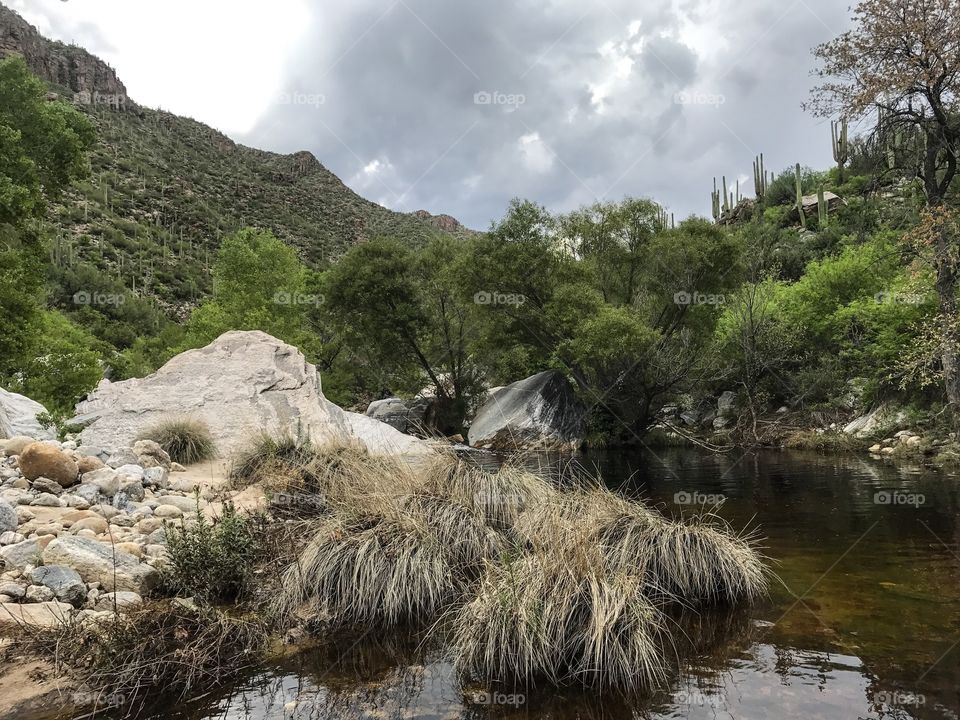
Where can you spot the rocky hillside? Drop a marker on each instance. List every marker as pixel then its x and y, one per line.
pixel 164 189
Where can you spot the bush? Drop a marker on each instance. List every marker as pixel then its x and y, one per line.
pixel 211 560
pixel 185 440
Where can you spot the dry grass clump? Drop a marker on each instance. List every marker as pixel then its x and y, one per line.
pixel 186 440
pixel 164 648
pixel 325 477
pixel 501 497
pixel 704 562
pixel 565 585
pixel 370 572
pixel 563 618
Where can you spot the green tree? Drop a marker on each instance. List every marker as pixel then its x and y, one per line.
pixel 43 148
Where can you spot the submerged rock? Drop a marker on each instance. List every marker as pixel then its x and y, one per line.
pixel 538 413
pixel 242 384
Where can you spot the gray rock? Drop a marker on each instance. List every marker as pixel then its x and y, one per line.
pixel 46 500
pixel 405 416
pixel 98 562
pixel 727 404
pixel 22 554
pixel 720 423
pixel 133 489
pixel 538 413
pixel 39 594
pixel 106 480
pixel 72 500
pixel 242 382
pixel 13 590
pixel 122 456
pixel 185 504
pixel 16 445
pixel 131 471
pixel 45 485
pixel 690 418
pixel 155 477
pixel 65 582
pixel 18 417
pixel 118 601
pixel 88 493
pixel 8 517
pixel 150 454
pixel 884 416
pixel 11 538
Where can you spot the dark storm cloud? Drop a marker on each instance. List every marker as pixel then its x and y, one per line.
pixel 456 106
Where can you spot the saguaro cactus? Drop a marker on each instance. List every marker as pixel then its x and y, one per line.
pixel 823 209
pixel 799 180
pixel 715 201
pixel 759 177
pixel 838 135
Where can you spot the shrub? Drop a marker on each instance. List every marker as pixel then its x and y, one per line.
pixel 173 649
pixel 211 560
pixel 185 440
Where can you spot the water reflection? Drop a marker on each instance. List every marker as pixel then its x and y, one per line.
pixel 864 625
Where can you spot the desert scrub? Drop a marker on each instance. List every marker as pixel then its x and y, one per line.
pixel 169 647
pixel 211 560
pixel 186 440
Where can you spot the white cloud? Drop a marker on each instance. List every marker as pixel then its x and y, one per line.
pixel 220 61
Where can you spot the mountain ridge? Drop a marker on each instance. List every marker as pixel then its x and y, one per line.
pixel 165 188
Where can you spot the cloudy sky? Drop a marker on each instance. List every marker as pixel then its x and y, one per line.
pixel 458 105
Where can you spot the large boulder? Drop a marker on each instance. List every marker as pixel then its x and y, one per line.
pixel 885 418
pixel 407 416
pixel 18 416
pixel 99 562
pixel 43 459
pixel 242 384
pixel 538 413
pixel 36 615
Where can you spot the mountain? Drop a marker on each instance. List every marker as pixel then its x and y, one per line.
pixel 164 189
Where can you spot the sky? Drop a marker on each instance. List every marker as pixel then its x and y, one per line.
pixel 457 106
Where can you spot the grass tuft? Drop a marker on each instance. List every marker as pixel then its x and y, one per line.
pixel 186 440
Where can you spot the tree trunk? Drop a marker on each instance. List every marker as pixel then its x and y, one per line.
pixel 947 299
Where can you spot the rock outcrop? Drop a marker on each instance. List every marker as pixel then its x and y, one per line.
pixel 882 418
pixel 242 384
pixel 91 80
pixel 18 417
pixel 538 413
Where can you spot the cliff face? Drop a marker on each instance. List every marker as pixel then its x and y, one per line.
pixel 91 80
